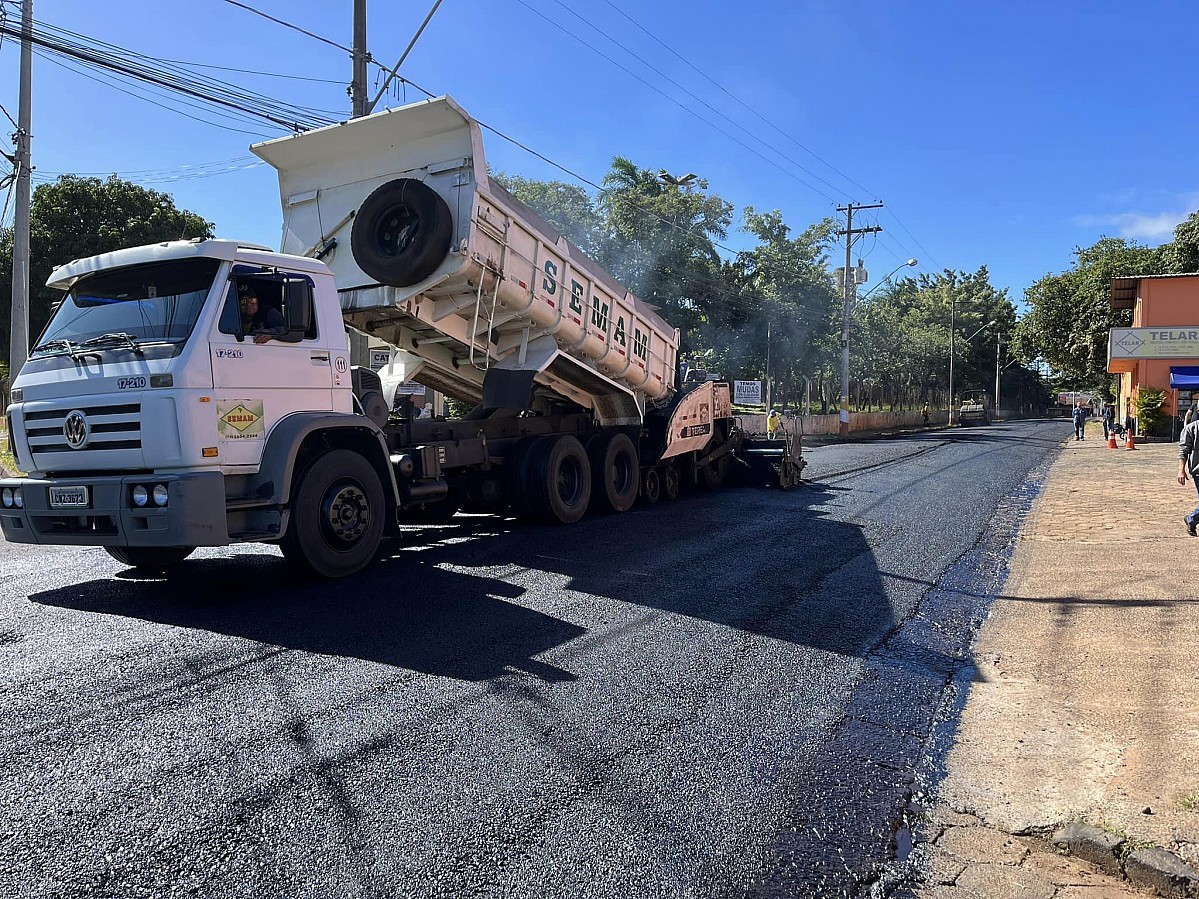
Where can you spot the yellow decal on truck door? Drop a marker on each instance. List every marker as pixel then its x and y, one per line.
pixel 239 419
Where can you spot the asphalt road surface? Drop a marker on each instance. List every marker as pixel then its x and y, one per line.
pixel 728 695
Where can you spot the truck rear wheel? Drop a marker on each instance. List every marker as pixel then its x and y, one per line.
pixel 651 486
pixel 558 484
pixel 402 232
pixel 670 481
pixel 337 516
pixel 150 557
pixel 614 471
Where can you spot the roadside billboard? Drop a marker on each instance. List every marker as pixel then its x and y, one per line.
pixel 747 393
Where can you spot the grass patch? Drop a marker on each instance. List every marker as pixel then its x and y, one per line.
pixel 1128 847
pixel 1190 803
pixel 7 462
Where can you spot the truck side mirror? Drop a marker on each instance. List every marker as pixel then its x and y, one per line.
pixel 298 309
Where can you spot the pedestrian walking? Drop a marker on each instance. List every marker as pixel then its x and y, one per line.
pixel 924 412
pixel 1080 420
pixel 1108 414
pixel 1188 467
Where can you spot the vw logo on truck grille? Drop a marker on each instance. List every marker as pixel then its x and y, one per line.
pixel 76 430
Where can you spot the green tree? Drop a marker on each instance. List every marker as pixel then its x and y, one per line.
pixel 1070 314
pixel 567 207
pixel 75 217
pixel 780 301
pixel 929 304
pixel 662 243
pixel 1183 254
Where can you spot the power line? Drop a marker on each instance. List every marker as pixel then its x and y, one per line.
pixel 286 24
pixel 661 92
pixel 695 97
pixel 203 65
pixel 156 64
pixel 707 105
pixel 130 93
pixel 741 102
pixel 217 93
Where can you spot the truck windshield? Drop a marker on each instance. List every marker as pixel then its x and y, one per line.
pixel 127 307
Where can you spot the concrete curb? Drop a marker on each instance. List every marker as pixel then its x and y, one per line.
pixel 1149 867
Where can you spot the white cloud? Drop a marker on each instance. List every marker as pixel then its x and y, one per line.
pixel 1148 226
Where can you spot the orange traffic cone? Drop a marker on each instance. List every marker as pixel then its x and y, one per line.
pixel 1111 440
pixel 1129 443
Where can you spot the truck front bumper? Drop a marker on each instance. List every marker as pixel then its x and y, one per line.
pixel 194 514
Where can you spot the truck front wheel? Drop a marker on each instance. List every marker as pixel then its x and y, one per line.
pixel 337 516
pixel 150 557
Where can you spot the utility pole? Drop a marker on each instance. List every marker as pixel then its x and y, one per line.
pixel 953 311
pixel 768 394
pixel 358 98
pixel 849 284
pixel 998 341
pixel 18 347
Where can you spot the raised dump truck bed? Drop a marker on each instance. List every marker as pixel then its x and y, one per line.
pixel 434 257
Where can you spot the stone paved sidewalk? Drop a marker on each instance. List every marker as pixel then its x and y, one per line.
pixel 1085 706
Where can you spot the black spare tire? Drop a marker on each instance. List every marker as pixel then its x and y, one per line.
pixel 401 232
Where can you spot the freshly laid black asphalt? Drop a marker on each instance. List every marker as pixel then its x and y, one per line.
pixel 721 696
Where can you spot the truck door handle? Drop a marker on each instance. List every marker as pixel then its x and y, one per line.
pixel 319 357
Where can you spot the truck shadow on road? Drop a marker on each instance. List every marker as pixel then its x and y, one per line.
pixel 442 622
pixel 482 597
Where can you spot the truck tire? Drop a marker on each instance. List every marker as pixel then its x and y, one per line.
pixel 401 232
pixel 518 480
pixel 155 558
pixel 670 481
pixel 559 485
pixel 615 471
pixel 337 516
pixel 651 486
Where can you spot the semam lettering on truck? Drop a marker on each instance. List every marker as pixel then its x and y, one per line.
pixel 203 419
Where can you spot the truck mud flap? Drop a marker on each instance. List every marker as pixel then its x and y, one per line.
pixel 763 462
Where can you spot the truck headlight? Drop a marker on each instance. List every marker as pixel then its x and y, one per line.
pixel 17 499
pixel 6 497
pixel 160 494
pixel 140 495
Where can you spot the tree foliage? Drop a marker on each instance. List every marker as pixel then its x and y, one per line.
pixel 75 217
pixel 773 309
pixel 1070 314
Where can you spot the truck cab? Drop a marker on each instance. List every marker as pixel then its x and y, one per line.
pixel 145 407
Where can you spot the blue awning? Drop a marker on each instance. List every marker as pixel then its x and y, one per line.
pixel 1184 376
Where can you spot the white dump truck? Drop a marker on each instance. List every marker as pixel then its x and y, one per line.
pixel 201 393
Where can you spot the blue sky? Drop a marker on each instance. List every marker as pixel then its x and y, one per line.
pixel 1002 134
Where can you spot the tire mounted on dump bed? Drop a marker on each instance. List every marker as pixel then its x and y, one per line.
pixel 402 232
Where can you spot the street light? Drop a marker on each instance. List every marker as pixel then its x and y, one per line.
pixel 953 347
pixel 849 288
pixel 677 180
pixel 888 278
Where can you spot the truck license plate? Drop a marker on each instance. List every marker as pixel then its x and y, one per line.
pixel 68 497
